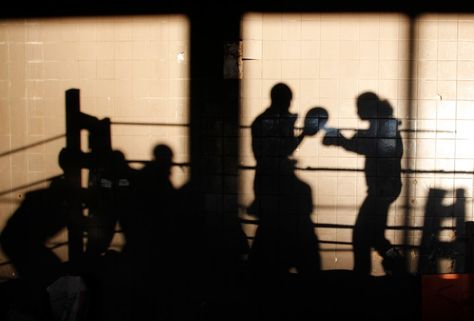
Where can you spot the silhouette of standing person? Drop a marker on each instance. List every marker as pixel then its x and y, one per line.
pixel 153 195
pixel 285 237
pixel 148 230
pixel 382 147
pixel 157 196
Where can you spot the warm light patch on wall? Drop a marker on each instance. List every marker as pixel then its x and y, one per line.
pixel 133 70
pixel 326 60
pixel 444 103
pixel 423 69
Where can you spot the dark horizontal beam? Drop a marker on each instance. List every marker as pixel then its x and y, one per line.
pixel 207 9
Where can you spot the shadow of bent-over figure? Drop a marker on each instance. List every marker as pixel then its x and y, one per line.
pixel 285 238
pixel 382 147
pixel 42 215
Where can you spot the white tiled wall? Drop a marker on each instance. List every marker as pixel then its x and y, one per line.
pixel 131 69
pixel 327 60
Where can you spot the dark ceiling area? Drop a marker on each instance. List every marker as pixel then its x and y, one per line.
pixel 55 8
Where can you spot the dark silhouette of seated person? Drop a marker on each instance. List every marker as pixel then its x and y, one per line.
pixel 109 197
pixel 382 147
pixel 285 237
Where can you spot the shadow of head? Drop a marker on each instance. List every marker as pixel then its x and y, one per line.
pixel 367 104
pixel 370 106
pixel 281 96
pixel 163 158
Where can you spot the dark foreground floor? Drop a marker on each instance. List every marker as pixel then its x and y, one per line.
pixel 336 295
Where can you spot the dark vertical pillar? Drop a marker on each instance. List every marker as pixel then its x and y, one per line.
pixel 73 173
pixel 214 132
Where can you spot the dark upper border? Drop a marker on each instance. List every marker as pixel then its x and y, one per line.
pixel 56 8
